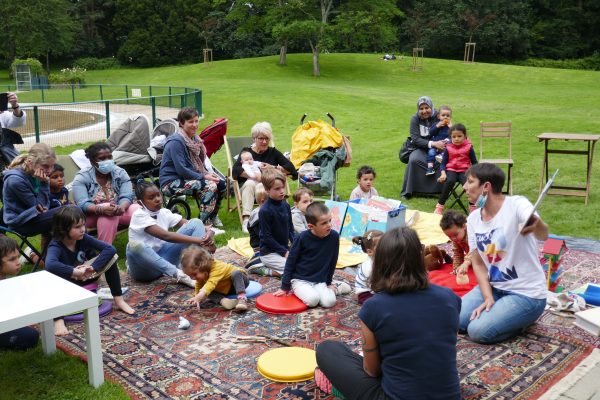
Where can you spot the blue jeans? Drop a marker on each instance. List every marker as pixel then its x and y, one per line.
pixel 431 153
pixel 146 264
pixel 510 313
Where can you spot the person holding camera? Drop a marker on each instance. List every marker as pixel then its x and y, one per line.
pixel 11 118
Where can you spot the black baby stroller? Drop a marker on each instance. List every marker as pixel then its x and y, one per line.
pixel 318 150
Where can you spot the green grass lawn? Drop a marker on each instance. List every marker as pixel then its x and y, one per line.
pixel 372 101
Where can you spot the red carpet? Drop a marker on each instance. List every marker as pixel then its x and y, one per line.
pixel 151 358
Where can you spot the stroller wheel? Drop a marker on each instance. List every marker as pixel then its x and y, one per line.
pixel 179 206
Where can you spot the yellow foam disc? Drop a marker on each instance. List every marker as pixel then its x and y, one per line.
pixel 288 364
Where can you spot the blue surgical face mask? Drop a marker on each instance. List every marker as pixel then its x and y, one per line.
pixel 106 167
pixel 481 200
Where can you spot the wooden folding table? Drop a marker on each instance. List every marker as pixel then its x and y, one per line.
pixel 572 190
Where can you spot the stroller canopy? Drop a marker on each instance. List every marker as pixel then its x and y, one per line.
pixel 312 137
pixel 130 141
pixel 213 135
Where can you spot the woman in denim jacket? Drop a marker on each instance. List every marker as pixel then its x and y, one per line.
pixel 104 192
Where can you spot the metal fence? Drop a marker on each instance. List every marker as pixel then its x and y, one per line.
pixel 61 115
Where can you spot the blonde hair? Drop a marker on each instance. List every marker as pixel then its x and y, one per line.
pixel 260 194
pixel 196 259
pixel 263 128
pixel 270 176
pixel 39 153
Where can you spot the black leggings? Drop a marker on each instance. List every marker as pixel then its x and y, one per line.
pixel 451 179
pixel 113 279
pixel 344 369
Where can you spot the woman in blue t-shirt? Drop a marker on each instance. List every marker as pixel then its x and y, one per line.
pixel 408 328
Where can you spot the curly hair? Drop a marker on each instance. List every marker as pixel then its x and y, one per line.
pixel 196 259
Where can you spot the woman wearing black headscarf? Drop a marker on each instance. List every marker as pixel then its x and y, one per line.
pixel 415 180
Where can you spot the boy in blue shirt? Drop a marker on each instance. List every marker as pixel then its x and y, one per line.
pixel 276 228
pixel 311 263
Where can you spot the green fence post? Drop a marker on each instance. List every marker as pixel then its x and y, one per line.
pixel 43 98
pixel 73 92
pixel 107 114
pixel 198 100
pixel 182 100
pixel 101 94
pixel 170 99
pixel 150 90
pixel 127 93
pixel 36 123
pixel 153 105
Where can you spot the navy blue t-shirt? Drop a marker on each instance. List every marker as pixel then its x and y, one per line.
pixel 417 334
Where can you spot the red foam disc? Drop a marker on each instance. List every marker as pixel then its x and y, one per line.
pixel 280 305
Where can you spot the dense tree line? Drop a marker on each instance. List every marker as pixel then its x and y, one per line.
pixel 150 32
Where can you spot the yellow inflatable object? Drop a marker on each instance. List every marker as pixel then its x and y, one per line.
pixel 288 364
pixel 311 137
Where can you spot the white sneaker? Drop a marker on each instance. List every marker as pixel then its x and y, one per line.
pixel 182 277
pixel 245 225
pixel 217 231
pixel 217 222
pixel 342 288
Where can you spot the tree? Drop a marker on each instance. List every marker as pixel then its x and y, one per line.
pixel 366 26
pixel 37 28
pixel 96 37
pixel 444 25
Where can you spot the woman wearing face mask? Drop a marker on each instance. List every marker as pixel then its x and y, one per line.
pixel 104 192
pixel 511 290
pixel 415 179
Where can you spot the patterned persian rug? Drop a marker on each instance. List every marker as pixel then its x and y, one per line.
pixel 152 359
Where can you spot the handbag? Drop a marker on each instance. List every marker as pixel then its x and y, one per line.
pixel 407 148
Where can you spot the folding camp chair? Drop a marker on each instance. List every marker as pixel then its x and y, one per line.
pixel 233 146
pixel 23 242
pixel 456 194
pixel 498 130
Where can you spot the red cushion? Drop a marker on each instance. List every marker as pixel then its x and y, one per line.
pixel 280 305
pixel 443 277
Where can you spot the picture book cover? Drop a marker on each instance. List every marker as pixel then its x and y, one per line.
pixel 355 223
pixel 382 203
pixel 338 213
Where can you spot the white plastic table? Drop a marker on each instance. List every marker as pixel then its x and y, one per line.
pixel 40 297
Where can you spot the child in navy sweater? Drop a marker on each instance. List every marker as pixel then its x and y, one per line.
pixel 438 132
pixel 275 222
pixel 59 194
pixel 311 263
pixel 68 251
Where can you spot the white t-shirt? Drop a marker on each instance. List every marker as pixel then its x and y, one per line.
pixel 362 276
pixel 511 258
pixel 358 193
pixel 252 170
pixel 140 220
